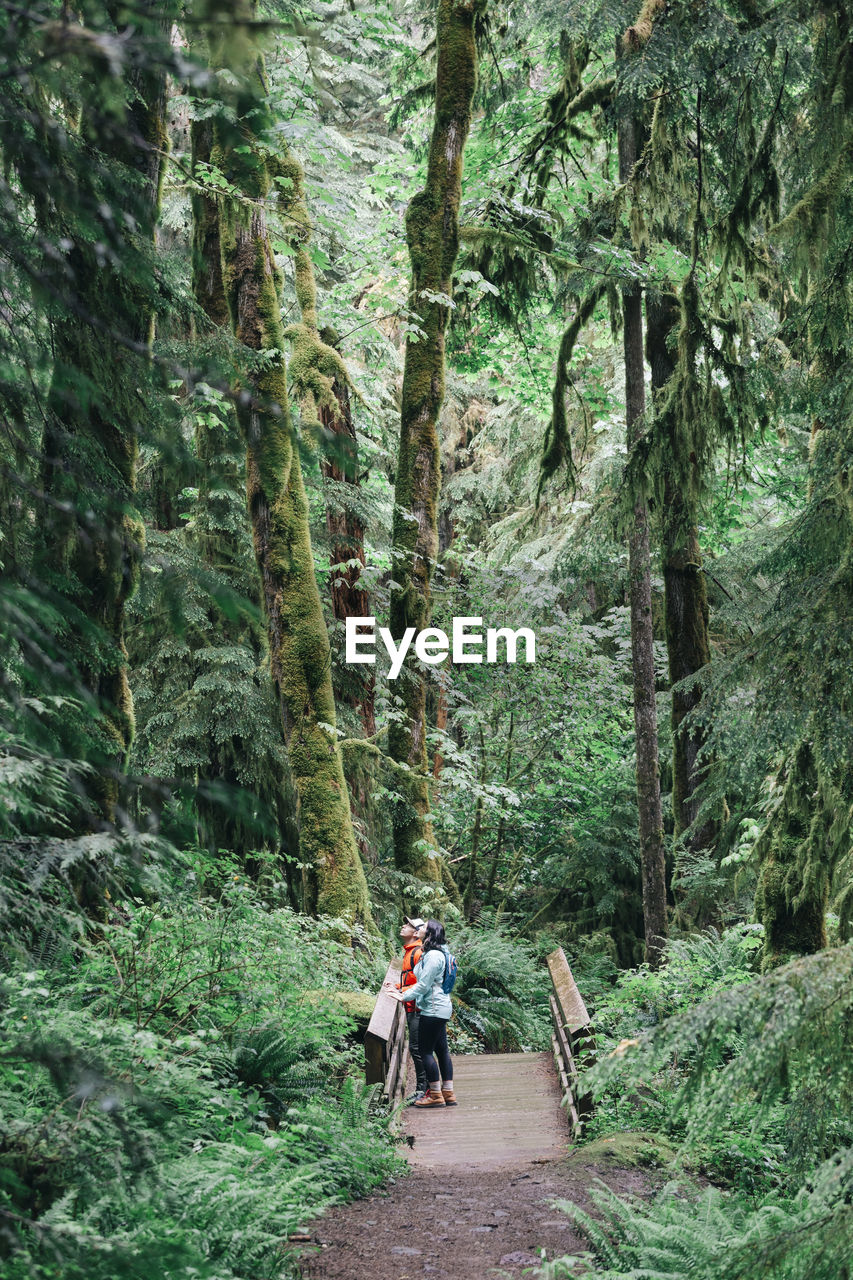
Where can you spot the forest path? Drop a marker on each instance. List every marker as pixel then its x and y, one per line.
pixel 479 1201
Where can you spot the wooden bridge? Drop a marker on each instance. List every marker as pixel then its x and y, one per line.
pixel 489 1171
pixel 515 1108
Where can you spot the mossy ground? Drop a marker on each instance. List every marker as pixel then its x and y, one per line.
pixel 631 1149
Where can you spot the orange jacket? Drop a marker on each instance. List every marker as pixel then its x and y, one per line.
pixel 412 953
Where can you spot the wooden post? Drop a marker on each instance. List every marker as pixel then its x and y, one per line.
pixel 385 1042
pixel 572 1034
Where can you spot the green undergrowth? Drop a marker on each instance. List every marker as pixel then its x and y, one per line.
pixel 637 1000
pixel 740 1087
pixel 181 1090
pixel 500 1000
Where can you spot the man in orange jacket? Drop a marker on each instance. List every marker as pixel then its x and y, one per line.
pixel 410 932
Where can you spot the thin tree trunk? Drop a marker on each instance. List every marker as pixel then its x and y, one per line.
pixel 298 640
pixel 433 238
pixel 476 832
pixel 493 869
pixel 685 595
pixel 440 724
pixel 642 638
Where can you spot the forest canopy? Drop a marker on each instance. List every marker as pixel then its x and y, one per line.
pixel 534 317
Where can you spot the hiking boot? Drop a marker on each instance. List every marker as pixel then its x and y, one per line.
pixel 449 1098
pixel 432 1098
pixel 415 1097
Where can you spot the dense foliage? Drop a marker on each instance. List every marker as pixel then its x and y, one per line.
pixel 244 396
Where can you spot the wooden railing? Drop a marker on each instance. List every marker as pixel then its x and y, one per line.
pixel 572 1039
pixel 385 1057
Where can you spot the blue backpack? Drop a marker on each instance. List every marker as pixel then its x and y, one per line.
pixel 451 969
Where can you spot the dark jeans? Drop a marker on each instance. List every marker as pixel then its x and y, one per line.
pixel 434 1051
pixel 412 1022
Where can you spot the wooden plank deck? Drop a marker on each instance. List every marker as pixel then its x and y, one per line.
pixel 509 1114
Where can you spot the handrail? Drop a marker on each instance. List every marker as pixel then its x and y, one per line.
pixel 385 1059
pixel 572 1038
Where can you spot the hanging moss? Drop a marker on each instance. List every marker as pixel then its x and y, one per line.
pixel 557 450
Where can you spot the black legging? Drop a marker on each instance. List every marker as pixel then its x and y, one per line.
pixel 432 1038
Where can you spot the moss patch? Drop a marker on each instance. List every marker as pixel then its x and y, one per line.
pixel 629 1150
pixel 358 1004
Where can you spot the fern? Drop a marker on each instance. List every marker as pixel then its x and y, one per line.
pixel 686 1233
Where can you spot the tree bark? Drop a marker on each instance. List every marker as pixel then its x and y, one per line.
pixel 642 637
pixel 319 379
pixel 499 840
pixel 432 232
pixel 476 832
pixel 298 640
pixel 346 535
pixel 349 594
pixel 685 595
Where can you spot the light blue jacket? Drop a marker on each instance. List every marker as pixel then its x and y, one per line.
pixel 427 993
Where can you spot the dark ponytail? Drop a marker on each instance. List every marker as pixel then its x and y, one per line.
pixel 433 935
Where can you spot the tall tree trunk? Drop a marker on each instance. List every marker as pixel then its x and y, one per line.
pixel 808 835
pixel 476 832
pixel 298 640
pixel 499 840
pixel 441 725
pixel 93 535
pixel 349 594
pixel 432 232
pixel 221 545
pixel 804 850
pixel 685 594
pixel 642 638
pixel 319 379
pixel 346 534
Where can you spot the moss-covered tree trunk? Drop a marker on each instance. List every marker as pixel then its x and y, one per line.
pixel 809 835
pixel 319 380
pixel 346 538
pixel 298 640
pixel 793 912
pixel 685 592
pixel 93 535
pixel 805 849
pixel 432 233
pixel 219 533
pixel 642 637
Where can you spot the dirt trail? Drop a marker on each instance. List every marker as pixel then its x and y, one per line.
pixel 460 1226
pixel 479 1201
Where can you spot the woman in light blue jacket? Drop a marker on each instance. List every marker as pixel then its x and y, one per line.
pixel 435 1007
